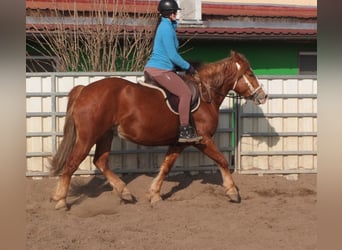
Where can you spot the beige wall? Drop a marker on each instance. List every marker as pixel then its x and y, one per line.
pixel 277 2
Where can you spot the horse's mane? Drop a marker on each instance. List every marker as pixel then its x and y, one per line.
pixel 217 73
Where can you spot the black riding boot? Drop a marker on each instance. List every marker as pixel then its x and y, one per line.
pixel 188 134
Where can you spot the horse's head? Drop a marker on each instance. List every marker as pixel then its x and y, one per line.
pixel 246 84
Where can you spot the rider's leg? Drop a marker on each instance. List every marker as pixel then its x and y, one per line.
pixel 175 84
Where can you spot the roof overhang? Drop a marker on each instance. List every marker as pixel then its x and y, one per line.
pixel 219 21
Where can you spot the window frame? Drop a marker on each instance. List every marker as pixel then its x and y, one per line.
pixel 302 54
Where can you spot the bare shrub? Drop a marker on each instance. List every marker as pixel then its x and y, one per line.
pixel 109 37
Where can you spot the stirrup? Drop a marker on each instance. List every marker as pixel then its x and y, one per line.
pixel 188 134
pixel 189 140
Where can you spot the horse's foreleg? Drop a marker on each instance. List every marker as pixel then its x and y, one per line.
pixel 211 150
pixel 78 154
pixel 170 158
pixel 103 147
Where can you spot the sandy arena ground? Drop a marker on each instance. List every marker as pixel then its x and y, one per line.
pixel 275 213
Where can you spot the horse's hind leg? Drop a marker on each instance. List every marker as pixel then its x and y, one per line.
pixel 170 158
pixel 78 154
pixel 102 151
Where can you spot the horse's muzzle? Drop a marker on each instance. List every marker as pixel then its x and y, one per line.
pixel 260 97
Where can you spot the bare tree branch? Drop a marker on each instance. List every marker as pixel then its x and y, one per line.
pixel 106 38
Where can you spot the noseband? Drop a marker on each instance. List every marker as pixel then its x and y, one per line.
pixel 250 86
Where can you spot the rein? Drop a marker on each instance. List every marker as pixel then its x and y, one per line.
pixel 208 88
pixel 227 95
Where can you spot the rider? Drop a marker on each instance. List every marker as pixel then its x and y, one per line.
pixel 162 63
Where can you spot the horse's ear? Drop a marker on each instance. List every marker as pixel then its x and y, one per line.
pixel 233 53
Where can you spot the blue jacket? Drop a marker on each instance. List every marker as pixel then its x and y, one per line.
pixel 165 49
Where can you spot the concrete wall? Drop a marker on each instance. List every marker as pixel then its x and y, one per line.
pixel 278 137
pixel 46 105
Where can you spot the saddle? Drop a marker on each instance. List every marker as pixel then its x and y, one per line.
pixel 172 100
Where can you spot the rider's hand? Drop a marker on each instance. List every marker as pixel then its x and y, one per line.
pixel 191 70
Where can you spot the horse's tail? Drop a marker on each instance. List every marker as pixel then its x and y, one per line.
pixel 69 138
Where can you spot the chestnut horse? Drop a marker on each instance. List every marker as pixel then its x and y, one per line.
pixel 114 106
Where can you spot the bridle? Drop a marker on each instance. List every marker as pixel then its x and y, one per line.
pixel 250 86
pixel 254 91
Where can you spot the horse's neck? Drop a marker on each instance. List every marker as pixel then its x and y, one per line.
pixel 219 78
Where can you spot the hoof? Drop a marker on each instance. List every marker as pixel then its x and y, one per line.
pixel 126 195
pixel 154 198
pixel 61 204
pixel 233 195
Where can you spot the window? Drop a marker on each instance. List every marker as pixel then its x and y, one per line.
pixel 191 12
pixel 307 64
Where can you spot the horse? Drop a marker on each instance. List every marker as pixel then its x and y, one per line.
pixel 115 106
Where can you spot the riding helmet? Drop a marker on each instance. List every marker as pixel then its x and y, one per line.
pixel 166 7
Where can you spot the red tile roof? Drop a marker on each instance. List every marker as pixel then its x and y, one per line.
pixel 258 10
pixel 207 8
pixel 240 33
pixel 210 11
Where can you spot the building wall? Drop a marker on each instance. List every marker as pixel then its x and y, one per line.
pixel 265 57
